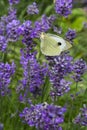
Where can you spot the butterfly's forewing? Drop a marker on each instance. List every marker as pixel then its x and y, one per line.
pixel 65 44
pixel 49 46
pixel 68 46
pixel 58 39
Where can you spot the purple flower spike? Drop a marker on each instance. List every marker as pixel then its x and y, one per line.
pixel 3 43
pixel 81 119
pixel 32 9
pixel 63 7
pixel 60 67
pixel 79 68
pixel 44 116
pixel 70 35
pixel 11 29
pixel 11 2
pixel 6 71
pixel 34 75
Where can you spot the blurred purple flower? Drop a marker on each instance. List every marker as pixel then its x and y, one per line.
pixel 11 30
pixel 60 66
pixel 1 126
pixel 63 7
pixel 44 116
pixel 29 32
pixel 34 74
pixel 79 68
pixel 70 35
pixel 42 25
pixel 11 2
pixel 81 119
pixel 2 28
pixel 58 30
pixel 3 43
pixel 32 9
pixel 12 14
pixel 25 30
pixel 60 87
pixel 85 25
pixel 6 71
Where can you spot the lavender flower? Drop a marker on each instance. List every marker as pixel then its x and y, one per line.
pixel 57 29
pixel 25 30
pixel 32 9
pixel 51 19
pixel 12 14
pixel 60 66
pixel 34 74
pixel 11 29
pixel 60 87
pixel 2 28
pixel 3 43
pixel 11 2
pixel 79 69
pixel 70 35
pixel 1 126
pixel 63 7
pixel 42 26
pixel 44 116
pixel 85 25
pixel 6 71
pixel 81 119
pixel 29 32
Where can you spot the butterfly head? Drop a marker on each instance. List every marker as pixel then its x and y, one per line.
pixel 42 35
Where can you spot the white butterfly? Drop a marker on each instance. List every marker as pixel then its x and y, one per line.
pixel 53 45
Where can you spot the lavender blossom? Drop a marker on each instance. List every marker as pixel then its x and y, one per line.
pixel 85 25
pixel 63 7
pixel 81 119
pixel 6 21
pixel 3 43
pixel 25 30
pixel 29 32
pixel 2 28
pixel 6 71
pixel 51 19
pixel 11 2
pixel 12 14
pixel 58 30
pixel 44 116
pixel 41 26
pixel 32 9
pixel 79 69
pixel 11 30
pixel 34 74
pixel 60 87
pixel 70 35
pixel 1 126
pixel 60 66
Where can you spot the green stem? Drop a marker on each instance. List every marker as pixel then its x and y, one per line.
pixel 76 86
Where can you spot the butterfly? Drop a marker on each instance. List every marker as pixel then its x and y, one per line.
pixel 53 45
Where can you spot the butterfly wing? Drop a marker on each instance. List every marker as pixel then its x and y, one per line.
pixel 49 46
pixel 68 46
pixel 65 45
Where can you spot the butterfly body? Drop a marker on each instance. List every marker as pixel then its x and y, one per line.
pixel 53 45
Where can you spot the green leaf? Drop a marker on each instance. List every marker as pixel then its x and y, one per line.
pixel 78 23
